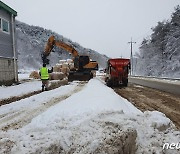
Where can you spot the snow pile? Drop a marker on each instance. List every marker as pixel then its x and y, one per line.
pixel 94 120
pixel 96 97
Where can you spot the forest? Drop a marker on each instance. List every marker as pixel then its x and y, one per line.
pixel 159 54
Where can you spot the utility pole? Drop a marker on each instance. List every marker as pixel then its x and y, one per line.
pixel 131 57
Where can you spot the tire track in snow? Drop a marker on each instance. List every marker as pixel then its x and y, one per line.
pixel 21 118
pixel 145 98
pixel 17 98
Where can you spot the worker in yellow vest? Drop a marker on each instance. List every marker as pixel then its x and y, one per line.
pixel 44 73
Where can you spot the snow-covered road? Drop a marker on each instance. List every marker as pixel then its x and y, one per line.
pixel 20 113
pixel 82 118
pixel 19 90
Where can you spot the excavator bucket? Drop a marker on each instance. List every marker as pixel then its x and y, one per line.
pixel 79 76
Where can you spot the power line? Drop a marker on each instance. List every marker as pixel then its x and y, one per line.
pixel 131 57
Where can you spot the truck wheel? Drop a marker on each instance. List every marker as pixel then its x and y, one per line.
pixel 91 75
pixel 109 83
pixel 125 83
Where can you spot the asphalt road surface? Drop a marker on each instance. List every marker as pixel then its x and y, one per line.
pixel 172 87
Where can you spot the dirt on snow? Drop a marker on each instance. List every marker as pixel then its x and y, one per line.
pixel 145 98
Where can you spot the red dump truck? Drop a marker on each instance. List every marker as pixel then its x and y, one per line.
pixel 117 72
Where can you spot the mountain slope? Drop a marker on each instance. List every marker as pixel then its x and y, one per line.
pixel 31 41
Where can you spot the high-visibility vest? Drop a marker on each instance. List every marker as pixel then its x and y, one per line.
pixel 44 73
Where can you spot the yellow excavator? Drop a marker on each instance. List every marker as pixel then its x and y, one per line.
pixel 83 66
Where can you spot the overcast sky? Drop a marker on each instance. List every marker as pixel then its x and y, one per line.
pixel 103 25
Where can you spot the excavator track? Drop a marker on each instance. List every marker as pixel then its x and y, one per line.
pixel 80 76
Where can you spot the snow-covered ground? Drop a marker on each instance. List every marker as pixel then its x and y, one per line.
pixel 24 76
pixel 93 119
pixel 19 90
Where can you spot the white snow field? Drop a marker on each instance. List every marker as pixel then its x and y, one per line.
pixel 93 120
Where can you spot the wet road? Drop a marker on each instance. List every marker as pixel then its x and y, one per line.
pixel 172 87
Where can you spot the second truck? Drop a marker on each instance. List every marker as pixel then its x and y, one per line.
pixel 83 66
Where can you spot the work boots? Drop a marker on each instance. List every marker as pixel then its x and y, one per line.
pixel 42 88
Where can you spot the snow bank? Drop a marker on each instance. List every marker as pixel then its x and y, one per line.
pixel 94 98
pixel 94 120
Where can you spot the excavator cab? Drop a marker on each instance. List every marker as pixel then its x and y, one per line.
pixel 80 62
pixel 83 67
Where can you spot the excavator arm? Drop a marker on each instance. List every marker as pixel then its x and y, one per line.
pixel 66 47
pixel 83 66
pixel 50 45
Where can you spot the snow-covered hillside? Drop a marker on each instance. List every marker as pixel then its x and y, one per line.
pixel 31 41
pixel 160 53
